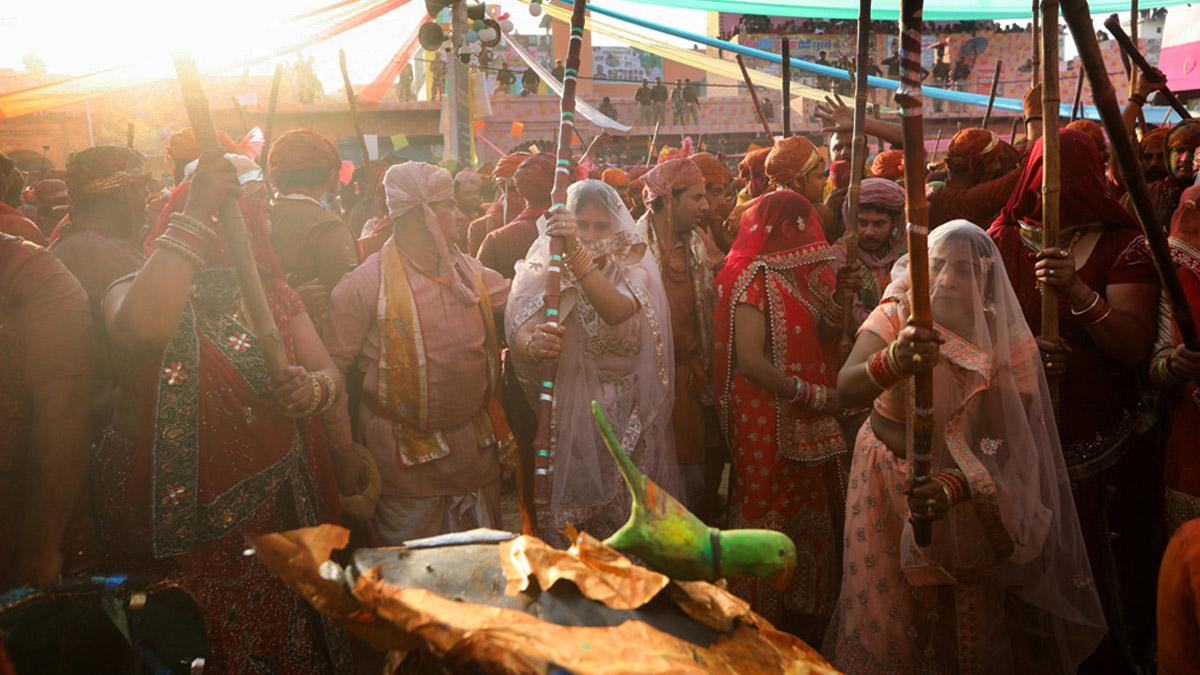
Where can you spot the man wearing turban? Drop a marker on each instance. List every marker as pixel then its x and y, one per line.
pixel 718 184
pixel 502 248
pixel 977 185
pixel 752 174
pixel 507 205
pixel 676 196
pixel 888 164
pixel 881 239
pixel 418 316
pixel 618 179
pixel 314 247
pixel 1180 143
pixel 795 164
pixel 100 240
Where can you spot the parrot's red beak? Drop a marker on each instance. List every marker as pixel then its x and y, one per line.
pixel 783 578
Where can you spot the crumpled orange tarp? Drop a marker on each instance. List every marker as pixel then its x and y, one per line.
pixel 502 640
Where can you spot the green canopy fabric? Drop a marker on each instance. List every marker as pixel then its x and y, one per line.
pixel 935 10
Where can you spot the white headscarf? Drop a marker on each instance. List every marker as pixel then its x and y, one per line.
pixel 417 185
pixel 628 368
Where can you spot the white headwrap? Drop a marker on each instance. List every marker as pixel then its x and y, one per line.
pixel 417 185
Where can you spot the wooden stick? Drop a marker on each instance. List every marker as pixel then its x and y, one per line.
pixel 762 117
pixel 858 159
pixel 653 142
pixel 1012 133
pixel 786 62
pixel 1051 179
pixel 272 107
pixel 129 135
pixel 1077 104
pixel 987 113
pixel 233 229
pixel 1113 24
pixel 916 209
pixel 243 125
pixel 353 101
pixel 1133 38
pixel 1079 20
pixel 1035 47
pixel 937 145
pixel 543 446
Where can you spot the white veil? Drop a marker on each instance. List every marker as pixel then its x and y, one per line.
pixel 994 421
pixel 628 368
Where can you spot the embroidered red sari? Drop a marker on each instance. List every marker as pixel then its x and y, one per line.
pixel 214 459
pixel 789 463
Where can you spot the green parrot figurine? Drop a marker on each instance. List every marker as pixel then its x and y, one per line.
pixel 669 539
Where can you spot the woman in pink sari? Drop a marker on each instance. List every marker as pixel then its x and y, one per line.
pixel 1005 586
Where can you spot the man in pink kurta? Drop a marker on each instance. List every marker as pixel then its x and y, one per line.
pixel 459 487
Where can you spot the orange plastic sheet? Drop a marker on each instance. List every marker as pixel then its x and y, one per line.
pixel 498 640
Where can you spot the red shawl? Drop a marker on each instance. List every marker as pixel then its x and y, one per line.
pixel 781 263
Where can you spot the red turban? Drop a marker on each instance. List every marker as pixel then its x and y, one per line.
pixel 970 145
pixel 534 178
pixel 615 177
pixel 669 176
pixel 1155 141
pixel 752 171
pixel 182 146
pixel 790 159
pixel 714 169
pixel 888 164
pixel 1186 134
pixel 303 149
pixel 507 166
pixel 1093 130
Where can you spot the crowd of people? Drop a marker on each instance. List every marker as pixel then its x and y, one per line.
pixel 151 414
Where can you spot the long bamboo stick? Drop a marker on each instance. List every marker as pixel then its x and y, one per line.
pixel 1079 20
pixel 1035 47
pixel 916 208
pixel 937 145
pixel 858 159
pixel 653 142
pixel 1051 179
pixel 1129 48
pixel 543 445
pixel 987 113
pixel 762 117
pixel 233 229
pixel 786 63
pixel 353 101
pixel 272 108
pixel 129 135
pixel 1077 102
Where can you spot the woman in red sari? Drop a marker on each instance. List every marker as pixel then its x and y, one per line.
pixel 1108 299
pixel 205 447
pixel 774 373
pixel 1175 367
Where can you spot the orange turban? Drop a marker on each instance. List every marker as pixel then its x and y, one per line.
pixel 888 164
pixel 303 149
pixel 182 146
pixel 507 166
pixel 714 169
pixel 534 178
pixel 1093 130
pixel 969 145
pixel 755 162
pixel 615 177
pixel 790 159
pixel 1155 141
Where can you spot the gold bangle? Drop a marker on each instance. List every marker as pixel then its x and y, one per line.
pixel 173 245
pixel 1095 301
pixel 1102 316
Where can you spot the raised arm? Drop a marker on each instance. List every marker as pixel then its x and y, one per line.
pixel 143 314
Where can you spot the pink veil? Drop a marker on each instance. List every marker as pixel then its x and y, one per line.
pixel 628 368
pixel 994 422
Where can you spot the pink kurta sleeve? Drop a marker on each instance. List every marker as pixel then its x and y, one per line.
pixel 351 314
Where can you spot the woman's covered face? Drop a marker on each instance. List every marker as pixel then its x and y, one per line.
pixel 954 282
pixel 594 223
